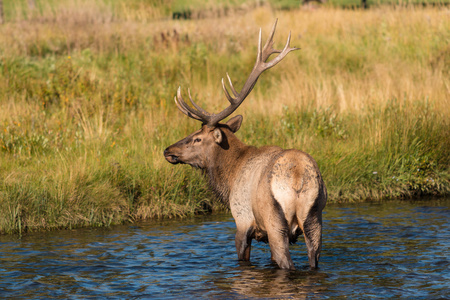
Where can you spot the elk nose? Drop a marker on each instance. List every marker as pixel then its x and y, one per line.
pixel 173 159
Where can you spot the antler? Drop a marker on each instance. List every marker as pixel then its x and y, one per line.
pixel 260 66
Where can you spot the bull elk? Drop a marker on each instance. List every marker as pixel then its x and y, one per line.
pixel 274 195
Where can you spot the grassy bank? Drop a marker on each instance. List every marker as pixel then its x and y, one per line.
pixel 86 106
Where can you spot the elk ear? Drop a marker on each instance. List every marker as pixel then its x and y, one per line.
pixel 217 135
pixel 235 123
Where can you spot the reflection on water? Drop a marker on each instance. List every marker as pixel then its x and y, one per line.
pixel 393 249
pixel 272 282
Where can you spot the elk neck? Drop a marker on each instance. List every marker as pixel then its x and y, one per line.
pixel 225 164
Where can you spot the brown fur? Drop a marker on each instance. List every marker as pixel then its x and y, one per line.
pixel 274 194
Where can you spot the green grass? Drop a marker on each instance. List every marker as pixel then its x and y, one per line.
pixel 193 9
pixel 86 106
pixel 403 162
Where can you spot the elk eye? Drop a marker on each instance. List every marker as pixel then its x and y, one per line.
pixel 197 140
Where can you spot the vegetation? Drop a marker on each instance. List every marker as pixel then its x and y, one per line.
pixel 86 105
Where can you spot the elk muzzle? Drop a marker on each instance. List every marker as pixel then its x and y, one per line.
pixel 171 156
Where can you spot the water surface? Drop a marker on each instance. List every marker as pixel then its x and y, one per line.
pixel 383 250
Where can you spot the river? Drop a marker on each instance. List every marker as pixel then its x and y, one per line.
pixel 393 249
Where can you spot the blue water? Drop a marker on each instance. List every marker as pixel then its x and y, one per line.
pixel 388 250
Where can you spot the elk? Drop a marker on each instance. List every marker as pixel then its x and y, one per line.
pixel 274 195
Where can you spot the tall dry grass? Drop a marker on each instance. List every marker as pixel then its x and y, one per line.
pixel 86 105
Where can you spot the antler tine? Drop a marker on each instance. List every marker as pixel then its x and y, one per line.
pixel 259 56
pixel 232 87
pixel 189 111
pixel 183 103
pixel 184 111
pixel 227 94
pixel 268 47
pixel 283 53
pixel 201 110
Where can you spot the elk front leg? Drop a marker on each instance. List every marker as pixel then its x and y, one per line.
pixel 243 244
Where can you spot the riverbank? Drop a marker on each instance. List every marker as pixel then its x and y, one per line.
pixel 86 107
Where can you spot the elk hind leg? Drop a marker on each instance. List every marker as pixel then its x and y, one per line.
pixel 312 231
pixel 278 236
pixel 279 248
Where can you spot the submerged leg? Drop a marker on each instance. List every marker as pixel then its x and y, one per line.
pixel 313 237
pixel 279 247
pixel 278 235
pixel 277 229
pixel 243 242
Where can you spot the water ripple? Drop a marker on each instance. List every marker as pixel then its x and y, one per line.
pixel 387 250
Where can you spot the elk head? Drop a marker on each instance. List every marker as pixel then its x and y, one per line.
pixel 198 148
